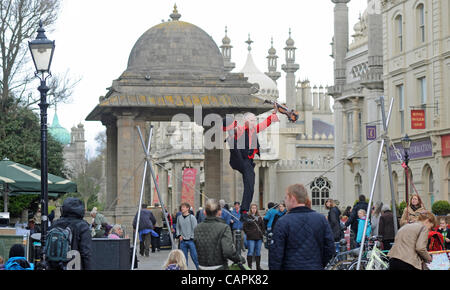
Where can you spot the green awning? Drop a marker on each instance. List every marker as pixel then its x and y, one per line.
pixel 17 178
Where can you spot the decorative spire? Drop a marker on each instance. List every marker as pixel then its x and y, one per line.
pixel 272 63
pixel 272 50
pixel 226 40
pixel 226 52
pixel 249 42
pixel 175 15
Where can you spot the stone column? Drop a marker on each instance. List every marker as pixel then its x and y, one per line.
pixel 197 196
pixel 256 189
pixel 111 164
pixel 163 185
pixel 213 174
pixel 273 186
pixel 177 179
pixel 356 123
pixel 339 183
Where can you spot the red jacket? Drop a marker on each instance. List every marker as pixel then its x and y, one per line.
pixel 239 130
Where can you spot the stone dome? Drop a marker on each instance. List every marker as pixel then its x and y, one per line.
pixel 176 47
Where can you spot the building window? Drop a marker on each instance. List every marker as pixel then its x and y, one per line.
pixel 399 33
pixel 360 126
pixel 349 128
pixel 320 192
pixel 421 22
pixel 401 107
pixel 423 95
pixel 429 186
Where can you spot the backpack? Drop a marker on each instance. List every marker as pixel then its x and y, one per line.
pixel 435 242
pixel 57 245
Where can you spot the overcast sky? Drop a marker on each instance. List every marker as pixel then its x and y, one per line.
pixel 94 39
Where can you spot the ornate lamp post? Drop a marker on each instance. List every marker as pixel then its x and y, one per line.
pixel 406 143
pixel 42 52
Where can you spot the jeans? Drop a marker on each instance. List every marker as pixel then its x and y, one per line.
pixel 186 246
pixel 254 247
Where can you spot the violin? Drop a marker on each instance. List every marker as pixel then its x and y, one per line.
pixel 291 114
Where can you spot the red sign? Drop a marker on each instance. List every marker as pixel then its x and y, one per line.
pixel 417 119
pixel 188 186
pixel 155 194
pixel 445 142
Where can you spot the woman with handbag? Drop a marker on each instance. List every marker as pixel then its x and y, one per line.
pixel 254 229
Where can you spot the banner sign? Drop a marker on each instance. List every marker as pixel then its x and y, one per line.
pixel 445 142
pixel 188 185
pixel 371 132
pixel 155 193
pixel 417 119
pixel 419 149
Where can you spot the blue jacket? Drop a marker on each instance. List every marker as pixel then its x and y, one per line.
pixel 237 224
pixel 361 223
pixel 302 240
pixel 226 216
pixel 18 263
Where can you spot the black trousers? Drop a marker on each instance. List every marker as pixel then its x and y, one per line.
pixel 156 241
pixel 396 264
pixel 248 177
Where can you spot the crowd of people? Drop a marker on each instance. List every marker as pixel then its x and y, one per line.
pixel 296 236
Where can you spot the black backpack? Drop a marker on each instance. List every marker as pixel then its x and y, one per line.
pixel 57 245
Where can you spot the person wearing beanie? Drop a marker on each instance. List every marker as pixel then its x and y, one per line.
pixel 17 260
pixel 72 215
pixel 386 227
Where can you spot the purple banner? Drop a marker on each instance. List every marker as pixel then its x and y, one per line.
pixel 371 132
pixel 419 149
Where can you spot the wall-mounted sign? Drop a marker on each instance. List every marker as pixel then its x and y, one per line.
pixel 417 119
pixel 371 132
pixel 419 149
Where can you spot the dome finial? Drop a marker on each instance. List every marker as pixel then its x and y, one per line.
pixel 175 15
pixel 249 42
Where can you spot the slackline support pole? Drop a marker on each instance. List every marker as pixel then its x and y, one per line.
pixel 388 154
pixel 150 165
pixel 136 233
pixel 380 154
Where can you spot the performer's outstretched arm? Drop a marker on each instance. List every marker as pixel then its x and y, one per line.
pixel 267 122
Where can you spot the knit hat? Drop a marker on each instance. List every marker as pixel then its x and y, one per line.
pixel 385 208
pixel 17 250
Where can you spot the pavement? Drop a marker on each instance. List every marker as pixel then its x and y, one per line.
pixel 157 260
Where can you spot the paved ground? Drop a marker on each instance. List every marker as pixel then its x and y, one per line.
pixel 156 260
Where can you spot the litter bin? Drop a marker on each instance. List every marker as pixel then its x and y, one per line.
pixel 111 254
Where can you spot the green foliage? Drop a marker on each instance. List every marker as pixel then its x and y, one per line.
pixel 20 141
pixel 20 202
pixel 356 201
pixel 401 208
pixel 441 207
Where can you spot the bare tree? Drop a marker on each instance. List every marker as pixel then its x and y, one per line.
pixel 19 21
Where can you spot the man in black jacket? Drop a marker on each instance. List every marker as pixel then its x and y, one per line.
pixel 146 222
pixel 353 219
pixel 72 214
pixel 302 239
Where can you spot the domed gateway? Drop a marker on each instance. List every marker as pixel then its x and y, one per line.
pixel 173 67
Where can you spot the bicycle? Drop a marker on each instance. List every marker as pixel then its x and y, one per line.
pixel 373 258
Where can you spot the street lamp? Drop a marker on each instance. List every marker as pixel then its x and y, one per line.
pixel 406 143
pixel 42 53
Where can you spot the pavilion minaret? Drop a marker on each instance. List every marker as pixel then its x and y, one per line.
pixel 290 68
